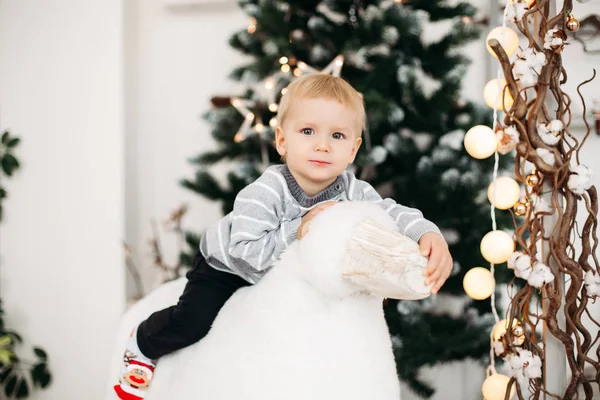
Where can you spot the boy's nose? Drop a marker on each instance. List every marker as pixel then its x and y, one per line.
pixel 322 145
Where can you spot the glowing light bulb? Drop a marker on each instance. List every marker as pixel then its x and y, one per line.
pixel 507 38
pixel 497 247
pixel 480 142
pixel 505 194
pixel 479 283
pixel 496 96
pixel 495 386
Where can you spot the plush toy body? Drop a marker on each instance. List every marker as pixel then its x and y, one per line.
pixel 306 331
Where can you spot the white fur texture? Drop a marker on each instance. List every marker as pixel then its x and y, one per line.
pixel 303 332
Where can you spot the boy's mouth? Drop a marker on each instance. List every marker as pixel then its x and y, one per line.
pixel 319 162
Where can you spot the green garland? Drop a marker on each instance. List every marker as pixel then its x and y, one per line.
pixel 17 377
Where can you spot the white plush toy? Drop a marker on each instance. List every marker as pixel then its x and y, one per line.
pixel 312 328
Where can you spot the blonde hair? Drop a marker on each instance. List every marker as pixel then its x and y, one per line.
pixel 324 86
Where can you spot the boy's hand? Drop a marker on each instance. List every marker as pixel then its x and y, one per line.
pixel 303 228
pixel 440 264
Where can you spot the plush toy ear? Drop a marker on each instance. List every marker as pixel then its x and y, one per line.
pixel 385 263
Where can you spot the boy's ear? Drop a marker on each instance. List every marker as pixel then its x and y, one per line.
pixel 280 142
pixel 355 149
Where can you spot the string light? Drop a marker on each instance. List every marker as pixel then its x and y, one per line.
pixel 496 246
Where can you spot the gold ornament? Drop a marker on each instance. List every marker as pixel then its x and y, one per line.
pixel 572 23
pixel 518 334
pixel 533 179
pixel 520 208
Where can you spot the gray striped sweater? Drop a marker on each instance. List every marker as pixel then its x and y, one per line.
pixel 267 213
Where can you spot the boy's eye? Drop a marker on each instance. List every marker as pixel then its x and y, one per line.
pixel 339 135
pixel 307 131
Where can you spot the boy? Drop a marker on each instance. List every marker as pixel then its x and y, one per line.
pixel 321 118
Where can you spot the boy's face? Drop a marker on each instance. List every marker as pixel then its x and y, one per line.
pixel 319 138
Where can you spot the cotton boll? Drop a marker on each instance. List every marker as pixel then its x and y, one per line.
pixel 546 136
pixel 556 126
pixel 521 67
pixel 546 155
pixel 516 11
pixel 525 365
pixel 540 275
pixel 528 79
pixel 533 370
pixel 507 138
pixel 580 179
pixel 528 66
pixel 555 39
pixel 521 264
pixel 535 60
pixel 526 76
pixel 592 283
pixel 515 362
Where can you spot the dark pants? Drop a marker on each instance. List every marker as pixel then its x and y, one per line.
pixel 184 324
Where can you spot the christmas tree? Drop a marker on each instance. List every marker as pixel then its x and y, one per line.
pixel 413 149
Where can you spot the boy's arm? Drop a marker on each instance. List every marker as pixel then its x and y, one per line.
pixel 409 220
pixel 258 235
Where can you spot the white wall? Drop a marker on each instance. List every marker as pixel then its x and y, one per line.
pixel 177 58
pixel 61 267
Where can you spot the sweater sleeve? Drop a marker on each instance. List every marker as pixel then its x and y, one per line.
pixel 258 233
pixel 410 221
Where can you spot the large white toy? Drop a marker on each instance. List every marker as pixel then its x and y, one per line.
pixel 312 328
